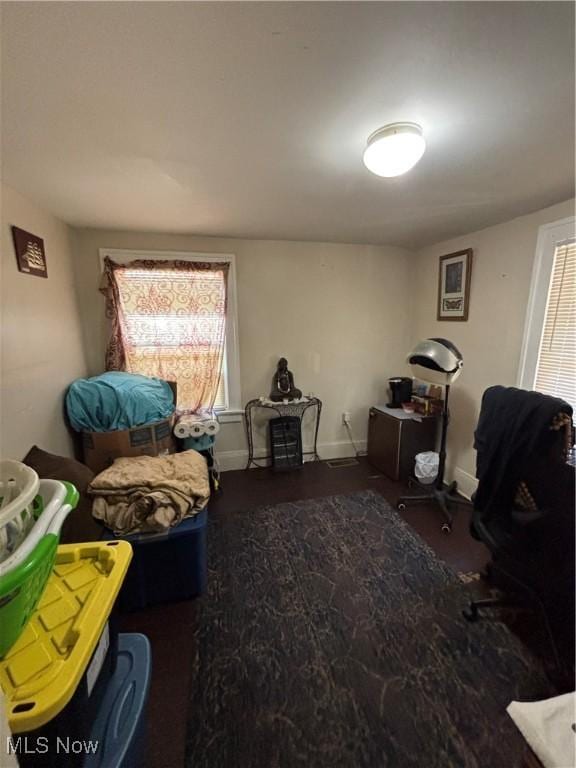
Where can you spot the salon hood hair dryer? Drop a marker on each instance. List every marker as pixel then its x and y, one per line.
pixel 438 361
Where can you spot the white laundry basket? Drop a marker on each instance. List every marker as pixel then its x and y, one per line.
pixel 18 488
pixel 426 467
pixel 52 511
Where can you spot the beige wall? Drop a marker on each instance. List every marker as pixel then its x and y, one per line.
pixel 344 315
pixel 42 348
pixel 491 340
pixel 337 312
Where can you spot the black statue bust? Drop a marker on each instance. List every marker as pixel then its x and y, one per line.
pixel 283 384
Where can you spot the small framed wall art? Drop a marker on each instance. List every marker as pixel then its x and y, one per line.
pixel 29 253
pixel 455 271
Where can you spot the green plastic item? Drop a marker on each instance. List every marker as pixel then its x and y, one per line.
pixel 72 496
pixel 22 587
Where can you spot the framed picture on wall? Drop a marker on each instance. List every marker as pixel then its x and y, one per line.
pixel 30 253
pixel 455 271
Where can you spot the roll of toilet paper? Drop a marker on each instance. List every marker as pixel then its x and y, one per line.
pixel 182 429
pixel 197 428
pixel 212 426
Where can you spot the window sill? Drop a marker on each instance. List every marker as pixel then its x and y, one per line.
pixel 232 415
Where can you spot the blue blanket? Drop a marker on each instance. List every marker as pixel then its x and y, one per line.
pixel 117 400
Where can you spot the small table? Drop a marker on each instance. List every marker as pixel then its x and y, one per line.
pixel 291 408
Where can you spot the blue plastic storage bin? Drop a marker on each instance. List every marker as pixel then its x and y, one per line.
pixel 41 748
pixel 119 728
pixel 166 567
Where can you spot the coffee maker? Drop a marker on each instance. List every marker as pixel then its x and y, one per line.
pixel 400 391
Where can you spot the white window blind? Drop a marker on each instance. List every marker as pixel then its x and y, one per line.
pixel 556 367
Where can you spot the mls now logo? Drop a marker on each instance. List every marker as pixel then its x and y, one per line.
pixel 25 745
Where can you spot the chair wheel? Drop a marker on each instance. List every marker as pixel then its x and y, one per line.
pixel 401 506
pixel 470 614
pixel 446 528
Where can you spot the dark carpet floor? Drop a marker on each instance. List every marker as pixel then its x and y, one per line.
pixel 332 637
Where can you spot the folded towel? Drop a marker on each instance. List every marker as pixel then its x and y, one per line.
pixel 549 728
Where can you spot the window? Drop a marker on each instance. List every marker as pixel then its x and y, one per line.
pixel 549 353
pixel 168 316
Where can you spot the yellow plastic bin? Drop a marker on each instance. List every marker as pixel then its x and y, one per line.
pixel 64 644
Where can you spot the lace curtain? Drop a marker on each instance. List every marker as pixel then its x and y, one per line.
pixel 168 320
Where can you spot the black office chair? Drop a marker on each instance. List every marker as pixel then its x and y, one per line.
pixel 524 510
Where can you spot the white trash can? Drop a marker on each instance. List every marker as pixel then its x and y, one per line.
pixel 426 467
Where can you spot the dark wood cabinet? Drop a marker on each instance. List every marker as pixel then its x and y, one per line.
pixel 394 440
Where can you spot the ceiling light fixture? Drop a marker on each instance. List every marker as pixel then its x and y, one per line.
pixel 394 149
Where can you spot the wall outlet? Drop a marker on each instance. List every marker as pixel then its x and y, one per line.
pixel 346 416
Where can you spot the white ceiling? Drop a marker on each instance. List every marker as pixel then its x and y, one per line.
pixel 249 119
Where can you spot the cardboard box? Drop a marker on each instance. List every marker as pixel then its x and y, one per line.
pixel 101 448
pixel 155 439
